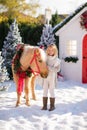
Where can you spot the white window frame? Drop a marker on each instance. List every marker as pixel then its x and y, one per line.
pixel 71 48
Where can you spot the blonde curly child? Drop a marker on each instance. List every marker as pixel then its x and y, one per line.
pixel 50 82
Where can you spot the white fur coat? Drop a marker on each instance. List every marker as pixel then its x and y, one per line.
pixel 53 63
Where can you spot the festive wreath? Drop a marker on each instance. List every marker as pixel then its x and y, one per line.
pixel 17 64
pixel 83 21
pixel 71 59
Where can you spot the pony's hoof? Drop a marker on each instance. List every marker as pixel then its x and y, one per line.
pixel 34 98
pixel 24 97
pixel 27 103
pixel 17 104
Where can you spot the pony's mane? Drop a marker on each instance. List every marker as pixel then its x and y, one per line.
pixel 42 52
pixel 27 47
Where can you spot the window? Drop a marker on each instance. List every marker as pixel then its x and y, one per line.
pixel 72 48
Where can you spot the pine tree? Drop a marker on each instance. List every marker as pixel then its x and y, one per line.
pixel 9 47
pixel 3 74
pixel 47 36
pixel 55 19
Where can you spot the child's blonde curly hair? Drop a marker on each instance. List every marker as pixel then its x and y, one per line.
pixel 54 47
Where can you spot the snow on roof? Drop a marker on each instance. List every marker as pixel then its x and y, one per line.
pixel 67 19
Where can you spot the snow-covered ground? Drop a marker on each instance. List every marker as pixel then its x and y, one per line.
pixel 70 112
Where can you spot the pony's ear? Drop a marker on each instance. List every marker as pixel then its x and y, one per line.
pixel 37 51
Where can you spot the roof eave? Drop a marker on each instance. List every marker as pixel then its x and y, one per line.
pixel 66 20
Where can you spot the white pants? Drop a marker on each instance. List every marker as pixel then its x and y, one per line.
pixel 49 85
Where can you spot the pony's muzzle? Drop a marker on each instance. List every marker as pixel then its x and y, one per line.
pixel 44 75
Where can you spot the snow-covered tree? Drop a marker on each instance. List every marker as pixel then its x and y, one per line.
pixel 3 74
pixel 9 47
pixel 47 36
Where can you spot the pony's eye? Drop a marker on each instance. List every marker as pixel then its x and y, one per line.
pixel 40 61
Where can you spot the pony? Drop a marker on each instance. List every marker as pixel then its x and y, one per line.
pixel 28 62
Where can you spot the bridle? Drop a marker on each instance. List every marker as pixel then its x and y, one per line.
pixel 34 59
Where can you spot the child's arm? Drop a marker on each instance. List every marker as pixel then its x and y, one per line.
pixel 55 67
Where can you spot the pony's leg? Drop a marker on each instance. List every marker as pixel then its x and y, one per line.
pixel 26 88
pixel 32 85
pixel 18 99
pixel 15 77
pixel 18 94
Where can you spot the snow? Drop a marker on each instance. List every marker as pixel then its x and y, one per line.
pixel 70 112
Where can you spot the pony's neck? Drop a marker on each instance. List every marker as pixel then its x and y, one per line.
pixel 26 57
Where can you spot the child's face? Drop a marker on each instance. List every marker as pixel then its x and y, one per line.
pixel 50 50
